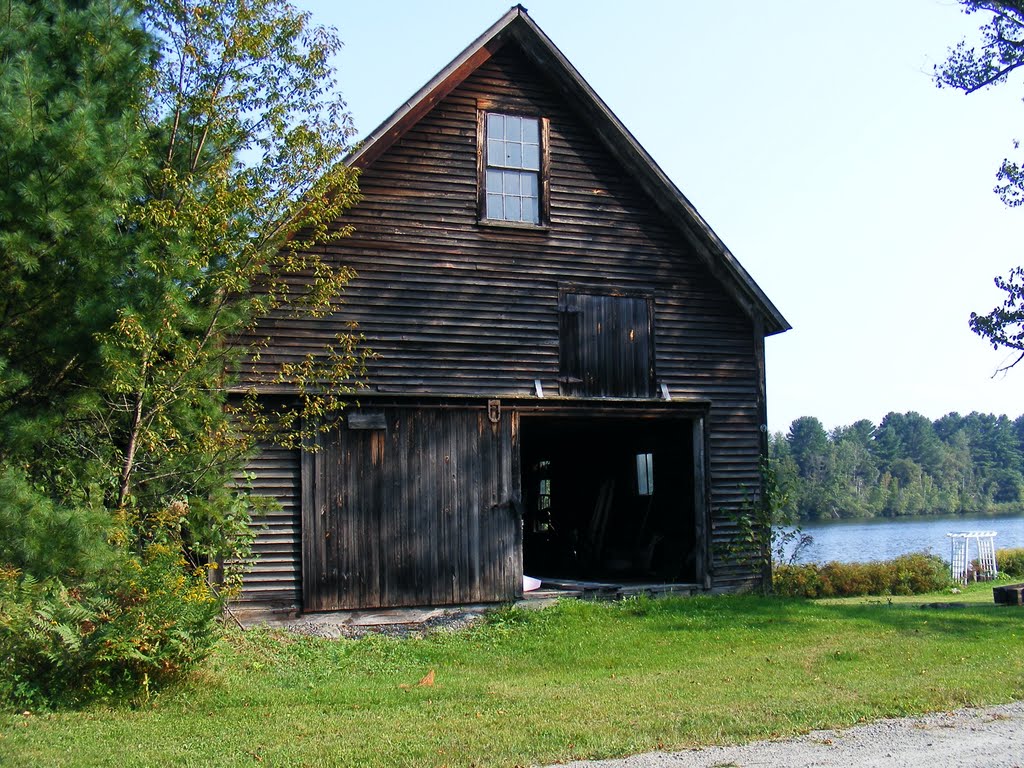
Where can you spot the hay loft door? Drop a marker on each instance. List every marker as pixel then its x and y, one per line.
pixel 605 347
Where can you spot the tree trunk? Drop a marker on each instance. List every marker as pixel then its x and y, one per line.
pixel 129 456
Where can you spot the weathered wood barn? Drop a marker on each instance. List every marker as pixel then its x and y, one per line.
pixel 569 378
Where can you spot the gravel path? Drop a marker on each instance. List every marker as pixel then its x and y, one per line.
pixel 395 622
pixel 990 737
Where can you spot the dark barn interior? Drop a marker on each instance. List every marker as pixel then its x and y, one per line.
pixel 608 499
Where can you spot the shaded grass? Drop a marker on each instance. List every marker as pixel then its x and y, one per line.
pixel 580 680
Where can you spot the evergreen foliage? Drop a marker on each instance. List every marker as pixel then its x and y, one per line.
pixel 72 81
pixel 168 168
pixel 907 465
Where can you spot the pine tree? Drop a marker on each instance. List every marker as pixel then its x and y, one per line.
pixel 167 170
pixel 73 81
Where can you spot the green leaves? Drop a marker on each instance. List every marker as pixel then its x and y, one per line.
pixel 970 69
pixel 1001 51
pixel 170 168
pixel 71 163
pixel 247 133
pixel 908 465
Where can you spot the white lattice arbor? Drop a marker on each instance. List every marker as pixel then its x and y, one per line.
pixel 960 555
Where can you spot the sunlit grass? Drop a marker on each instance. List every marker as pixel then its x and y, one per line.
pixel 579 680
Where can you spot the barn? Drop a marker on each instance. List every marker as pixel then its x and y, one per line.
pixel 569 378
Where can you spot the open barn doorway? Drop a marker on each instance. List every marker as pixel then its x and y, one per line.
pixel 611 499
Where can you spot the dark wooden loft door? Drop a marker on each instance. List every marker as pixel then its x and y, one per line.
pixel 605 346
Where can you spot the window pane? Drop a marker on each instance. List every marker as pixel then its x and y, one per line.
pixel 513 155
pixel 513 128
pixel 531 157
pixel 531 130
pixel 495 126
pixel 512 166
pixel 645 474
pixel 530 210
pixel 495 152
pixel 529 187
pixel 494 207
pixel 493 181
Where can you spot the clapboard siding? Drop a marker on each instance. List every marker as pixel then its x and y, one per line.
pixel 451 306
pixel 274 573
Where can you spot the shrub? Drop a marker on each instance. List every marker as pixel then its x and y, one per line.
pixel 89 608
pixel 1011 562
pixel 141 625
pixel 905 575
pixel 47 539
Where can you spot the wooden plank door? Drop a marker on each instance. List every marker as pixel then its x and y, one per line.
pixel 605 347
pixel 423 512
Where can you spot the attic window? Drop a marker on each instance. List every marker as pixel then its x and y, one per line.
pixel 512 151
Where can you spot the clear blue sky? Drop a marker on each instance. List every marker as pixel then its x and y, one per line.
pixel 811 137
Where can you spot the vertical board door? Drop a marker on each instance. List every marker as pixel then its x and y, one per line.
pixel 605 346
pixel 424 511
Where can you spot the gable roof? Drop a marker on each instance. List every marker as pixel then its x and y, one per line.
pixel 516 25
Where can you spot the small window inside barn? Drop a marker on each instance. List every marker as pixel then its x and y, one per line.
pixel 513 151
pixel 542 517
pixel 645 474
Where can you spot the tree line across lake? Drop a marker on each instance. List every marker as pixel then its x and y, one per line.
pixel 907 465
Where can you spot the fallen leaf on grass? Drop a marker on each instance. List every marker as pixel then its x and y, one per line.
pixel 426 682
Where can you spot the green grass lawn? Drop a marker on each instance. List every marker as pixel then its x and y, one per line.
pixel 580 680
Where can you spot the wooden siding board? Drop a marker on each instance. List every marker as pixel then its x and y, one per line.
pixel 274 570
pixel 400 505
pixel 339 465
pixel 434 576
pixel 411 590
pixel 517 501
pixel 488 543
pixel 452 307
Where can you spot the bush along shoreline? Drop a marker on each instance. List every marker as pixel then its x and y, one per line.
pixel 912 574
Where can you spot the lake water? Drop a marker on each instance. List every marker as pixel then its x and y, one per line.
pixel 853 541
